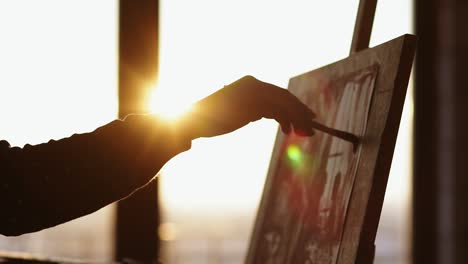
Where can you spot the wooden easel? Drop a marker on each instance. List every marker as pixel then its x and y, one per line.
pixel 390 63
pixel 363 25
pixel 361 38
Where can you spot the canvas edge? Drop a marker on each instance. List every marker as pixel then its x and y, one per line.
pixel 365 251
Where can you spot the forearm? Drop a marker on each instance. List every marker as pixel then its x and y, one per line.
pixel 52 183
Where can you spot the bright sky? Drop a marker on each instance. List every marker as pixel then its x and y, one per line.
pixel 58 68
pixel 206 44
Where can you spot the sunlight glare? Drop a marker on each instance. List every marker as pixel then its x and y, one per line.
pixel 166 104
pixel 168 231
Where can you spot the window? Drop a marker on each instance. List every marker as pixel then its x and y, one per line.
pixel 58 76
pixel 210 194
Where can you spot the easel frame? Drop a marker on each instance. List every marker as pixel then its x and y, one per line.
pixel 361 39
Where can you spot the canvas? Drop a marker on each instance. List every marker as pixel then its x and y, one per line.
pixel 310 210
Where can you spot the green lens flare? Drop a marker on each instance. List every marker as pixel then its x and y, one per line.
pixel 294 154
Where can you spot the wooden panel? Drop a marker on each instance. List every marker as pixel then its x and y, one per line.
pixel 426 168
pixel 440 219
pixel 460 54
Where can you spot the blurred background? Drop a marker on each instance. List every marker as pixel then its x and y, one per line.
pixel 71 66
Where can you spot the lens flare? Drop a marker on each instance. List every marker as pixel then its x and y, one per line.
pixel 295 155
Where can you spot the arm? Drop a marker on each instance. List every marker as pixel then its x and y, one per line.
pixel 48 184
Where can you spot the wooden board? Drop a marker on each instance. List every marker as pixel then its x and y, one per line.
pixel 322 201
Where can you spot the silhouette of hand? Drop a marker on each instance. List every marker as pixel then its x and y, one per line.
pixel 244 101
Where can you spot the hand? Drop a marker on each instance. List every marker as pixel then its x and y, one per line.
pixel 244 101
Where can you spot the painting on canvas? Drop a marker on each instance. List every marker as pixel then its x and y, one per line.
pixel 313 176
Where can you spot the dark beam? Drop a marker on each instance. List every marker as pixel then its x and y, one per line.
pixel 461 83
pixel 426 136
pixel 138 216
pixel 440 219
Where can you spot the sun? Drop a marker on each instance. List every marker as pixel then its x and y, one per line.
pixel 167 104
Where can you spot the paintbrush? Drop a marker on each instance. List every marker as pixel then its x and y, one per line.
pixel 338 133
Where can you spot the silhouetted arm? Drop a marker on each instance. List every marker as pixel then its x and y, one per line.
pixel 48 184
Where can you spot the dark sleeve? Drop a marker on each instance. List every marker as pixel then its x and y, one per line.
pixel 48 184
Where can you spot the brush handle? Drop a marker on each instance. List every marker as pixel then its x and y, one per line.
pixel 337 133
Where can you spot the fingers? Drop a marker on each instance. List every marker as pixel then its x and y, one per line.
pixel 282 119
pixel 288 110
pixel 285 127
pixel 249 99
